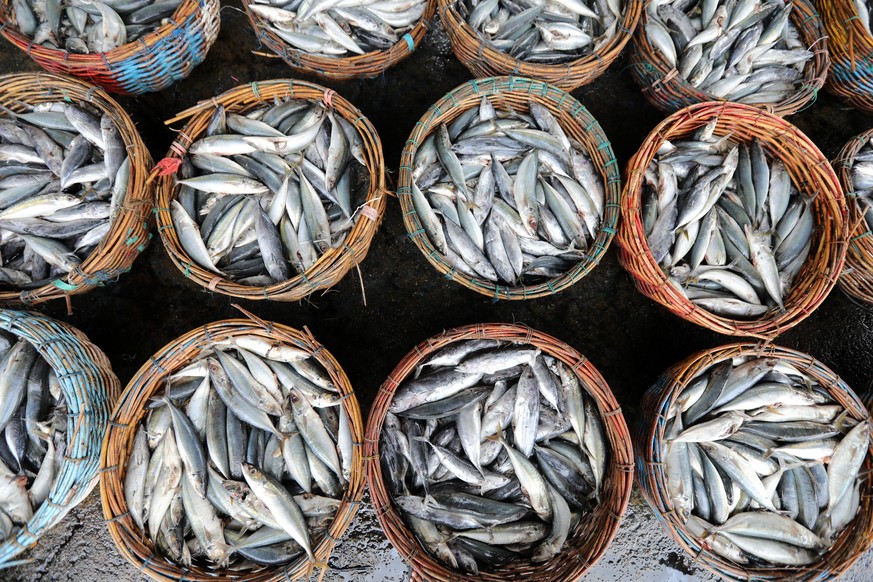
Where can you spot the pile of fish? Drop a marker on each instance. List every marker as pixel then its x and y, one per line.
pixel 863 8
pixel 726 223
pixel 64 172
pixel 738 50
pixel 493 452
pixel 89 26
pixel 862 181
pixel 340 29
pixel 265 194
pixel 243 460
pixel 505 196
pixel 543 32
pixel 762 463
pixel 33 419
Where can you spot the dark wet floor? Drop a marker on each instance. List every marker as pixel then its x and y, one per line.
pixel 628 337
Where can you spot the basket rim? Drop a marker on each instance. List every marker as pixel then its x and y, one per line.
pixel 858 34
pixel 621 467
pixel 179 20
pixel 634 246
pixel 129 230
pixel 344 256
pixel 29 326
pixel 558 101
pixel 116 445
pixel 649 440
pixel 653 61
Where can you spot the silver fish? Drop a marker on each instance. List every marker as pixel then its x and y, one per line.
pixel 794 506
pixel 56 211
pixel 270 204
pixel 493 493
pixel 733 51
pixel 723 250
pixel 89 26
pixel 492 223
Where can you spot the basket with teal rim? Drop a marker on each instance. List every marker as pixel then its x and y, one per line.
pixel 851 48
pixel 90 389
pixel 576 121
pixel 151 63
pixel 665 89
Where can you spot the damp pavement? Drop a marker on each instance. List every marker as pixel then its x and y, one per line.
pixel 629 338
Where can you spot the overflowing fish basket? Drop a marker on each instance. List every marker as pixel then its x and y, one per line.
pixel 57 390
pixel 757 461
pixel 129 48
pixel 568 43
pixel 850 44
pixel 733 219
pixel 771 54
pixel 358 39
pixel 234 453
pixel 273 190
pixel 75 206
pixel 510 187
pixel 854 164
pixel 495 451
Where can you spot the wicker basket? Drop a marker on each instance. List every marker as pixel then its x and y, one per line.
pixel 129 233
pixel 90 388
pixel 518 93
pixel 484 60
pixel 131 410
pixel 368 65
pixel 851 544
pixel 851 49
pixel 151 63
pixel 666 90
pixel 857 277
pixel 335 262
pixel 811 174
pixel 590 539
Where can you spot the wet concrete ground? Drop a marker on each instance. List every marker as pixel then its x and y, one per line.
pixel 629 338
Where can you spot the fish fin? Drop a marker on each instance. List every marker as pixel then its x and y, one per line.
pixel 41 430
pixel 498 436
pixel 844 422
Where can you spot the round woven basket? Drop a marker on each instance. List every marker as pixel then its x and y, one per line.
pixel 90 389
pixel 650 454
pixel 857 276
pixel 851 50
pixel 484 60
pixel 577 123
pixel 335 262
pixel 810 173
pixel 371 64
pixel 151 63
pixel 665 89
pixel 587 543
pixel 129 233
pixel 131 410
